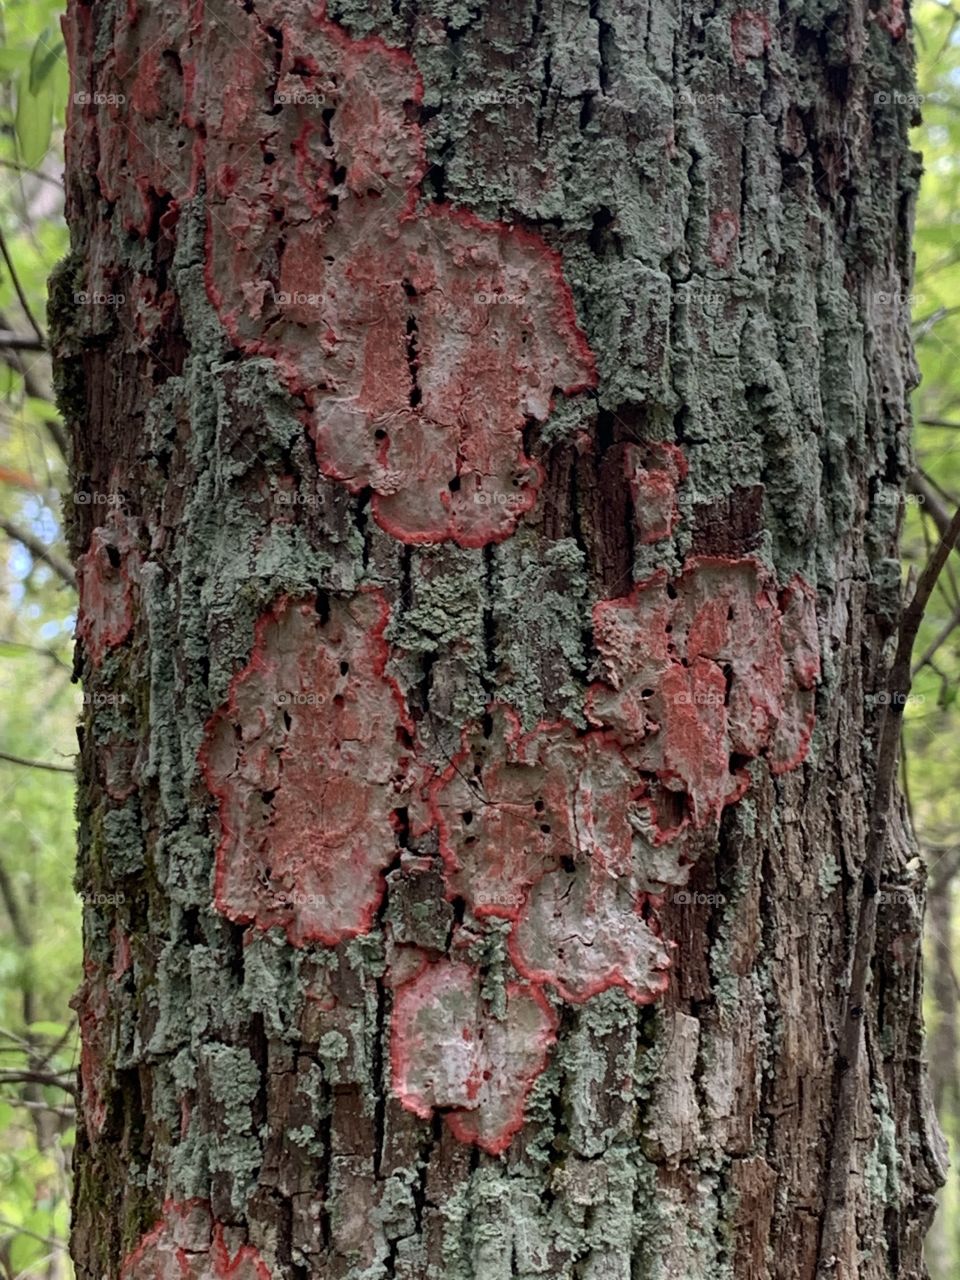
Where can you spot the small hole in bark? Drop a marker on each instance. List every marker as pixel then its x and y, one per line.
pixel 567 863
pixel 338 701
pixel 267 796
pixel 323 607
pixel 646 693
pixel 730 614
pixel 113 555
pixel 545 828
pixel 344 668
pixel 379 434
pixel 454 485
pixel 287 722
pixel 487 723
pixel 671 591
pixel 269 158
pixel 470 840
pixel 467 817
pixel 339 174
pixel 668 628
pixel 538 806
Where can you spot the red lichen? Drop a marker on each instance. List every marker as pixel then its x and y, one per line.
pixel 555 831
pixel 422 341
pixel 148 158
pixel 583 931
pixel 696 678
pixel 722 240
pixel 449 1052
pixel 310 760
pixel 108 574
pixel 801 657
pixel 511 805
pixel 188 1243
pixel 894 22
pixel 654 472
pixel 92 1005
pixel 749 35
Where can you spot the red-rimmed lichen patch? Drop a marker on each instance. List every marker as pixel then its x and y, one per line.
pixel 108 575
pixel 310 759
pixel 189 1244
pixel 422 342
pixel 585 930
pixel 696 679
pixel 655 473
pixel 450 1053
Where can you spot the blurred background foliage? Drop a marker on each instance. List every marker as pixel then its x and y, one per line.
pixel 40 960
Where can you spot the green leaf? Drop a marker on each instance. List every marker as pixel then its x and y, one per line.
pixel 47 53
pixel 23 1251
pixel 33 124
pixel 12 59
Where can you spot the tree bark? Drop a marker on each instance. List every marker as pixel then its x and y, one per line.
pixel 488 425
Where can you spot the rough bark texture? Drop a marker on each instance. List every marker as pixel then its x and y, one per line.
pixel 600 291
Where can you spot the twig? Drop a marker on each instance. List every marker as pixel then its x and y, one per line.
pixel 20 341
pixel 55 1081
pixel 36 764
pixel 43 653
pixel 15 280
pixel 34 173
pixel 40 551
pixel 937 641
pixel 851 1026
pixel 50 1243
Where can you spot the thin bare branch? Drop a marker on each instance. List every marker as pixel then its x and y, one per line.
pixel 40 551
pixel 851 1026
pixel 52 1078
pixel 20 341
pixel 50 766
pixel 18 287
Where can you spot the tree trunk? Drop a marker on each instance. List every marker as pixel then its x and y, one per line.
pixel 489 427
